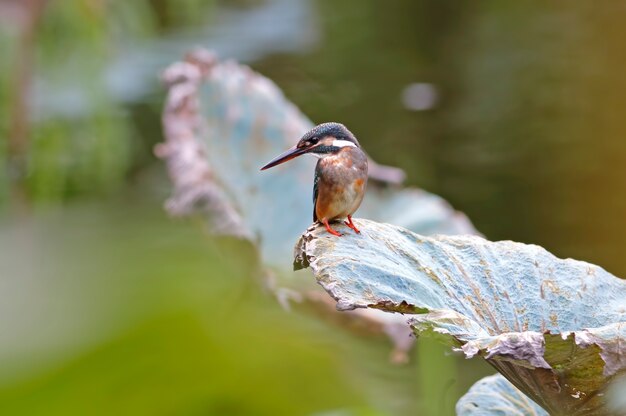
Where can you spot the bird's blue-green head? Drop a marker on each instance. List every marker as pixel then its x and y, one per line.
pixel 322 140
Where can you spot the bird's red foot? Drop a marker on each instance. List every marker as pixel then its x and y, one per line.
pixel 330 230
pixel 350 224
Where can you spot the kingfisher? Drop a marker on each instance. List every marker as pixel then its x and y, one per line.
pixel 340 173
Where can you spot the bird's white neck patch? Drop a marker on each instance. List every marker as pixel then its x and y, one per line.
pixel 343 143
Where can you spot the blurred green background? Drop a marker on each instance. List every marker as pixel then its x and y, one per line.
pixel 514 112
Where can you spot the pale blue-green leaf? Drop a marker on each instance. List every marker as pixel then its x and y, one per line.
pixel 555 328
pixel 495 396
pixel 616 395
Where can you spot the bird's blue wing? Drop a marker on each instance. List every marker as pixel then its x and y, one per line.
pixel 315 188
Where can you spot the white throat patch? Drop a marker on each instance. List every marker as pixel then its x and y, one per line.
pixel 343 143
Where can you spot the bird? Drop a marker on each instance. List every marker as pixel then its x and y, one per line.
pixel 340 173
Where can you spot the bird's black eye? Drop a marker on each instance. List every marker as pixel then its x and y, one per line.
pixel 311 141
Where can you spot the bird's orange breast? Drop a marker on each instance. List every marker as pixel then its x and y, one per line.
pixel 341 184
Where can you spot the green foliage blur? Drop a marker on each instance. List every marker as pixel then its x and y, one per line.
pixel 80 139
pixel 110 307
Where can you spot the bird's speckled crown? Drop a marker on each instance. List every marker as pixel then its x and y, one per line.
pixel 332 129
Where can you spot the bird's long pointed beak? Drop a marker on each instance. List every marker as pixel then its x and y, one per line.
pixel 285 156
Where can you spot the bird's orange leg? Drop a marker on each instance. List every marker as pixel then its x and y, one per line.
pixel 350 224
pixel 330 230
